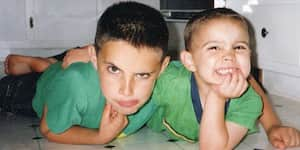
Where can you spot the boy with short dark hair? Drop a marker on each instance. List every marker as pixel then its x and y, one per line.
pixel 81 105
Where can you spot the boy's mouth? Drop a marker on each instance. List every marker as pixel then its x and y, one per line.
pixel 225 71
pixel 128 103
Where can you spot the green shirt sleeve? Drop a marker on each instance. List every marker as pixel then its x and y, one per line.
pixel 65 93
pixel 245 110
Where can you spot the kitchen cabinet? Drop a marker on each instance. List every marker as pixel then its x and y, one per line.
pixel 67 22
pixel 47 24
pixel 13 26
pixel 51 23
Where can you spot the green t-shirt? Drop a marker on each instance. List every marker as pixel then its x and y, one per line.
pixel 73 97
pixel 175 112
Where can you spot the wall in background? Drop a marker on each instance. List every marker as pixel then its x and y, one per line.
pixel 277 42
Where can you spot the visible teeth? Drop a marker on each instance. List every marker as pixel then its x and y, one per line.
pixel 225 71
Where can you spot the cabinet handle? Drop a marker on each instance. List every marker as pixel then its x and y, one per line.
pixel 264 32
pixel 31 22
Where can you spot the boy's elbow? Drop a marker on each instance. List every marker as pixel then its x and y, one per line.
pixel 213 145
pixel 45 133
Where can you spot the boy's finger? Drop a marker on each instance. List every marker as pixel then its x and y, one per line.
pixel 6 70
pixel 121 118
pixel 278 144
pixel 287 138
pixel 235 78
pixel 294 138
pixel 298 138
pixel 107 111
pixel 226 82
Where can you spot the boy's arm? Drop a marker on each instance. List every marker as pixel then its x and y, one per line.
pixel 112 124
pixel 278 135
pixel 82 54
pixel 268 118
pixel 215 132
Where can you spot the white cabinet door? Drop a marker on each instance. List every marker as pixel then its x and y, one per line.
pixel 65 23
pixel 277 32
pixel 276 26
pixel 13 22
pixel 51 23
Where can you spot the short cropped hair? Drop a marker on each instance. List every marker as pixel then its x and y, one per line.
pixel 195 22
pixel 138 24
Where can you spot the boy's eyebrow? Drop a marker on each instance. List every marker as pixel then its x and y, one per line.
pixel 145 72
pixel 245 42
pixel 209 42
pixel 206 43
pixel 110 63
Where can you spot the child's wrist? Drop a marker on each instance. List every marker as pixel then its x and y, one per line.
pixel 272 128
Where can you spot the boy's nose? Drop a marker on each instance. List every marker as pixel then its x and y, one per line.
pixel 228 56
pixel 126 88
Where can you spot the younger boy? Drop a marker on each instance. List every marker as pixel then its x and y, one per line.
pixel 130 43
pixel 210 83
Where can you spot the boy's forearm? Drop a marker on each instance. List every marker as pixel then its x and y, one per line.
pixel 213 132
pixel 268 118
pixel 73 135
pixel 78 135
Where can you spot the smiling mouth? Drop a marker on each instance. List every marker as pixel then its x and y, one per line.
pixel 129 103
pixel 226 71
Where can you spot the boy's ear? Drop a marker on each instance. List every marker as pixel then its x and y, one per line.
pixel 164 64
pixel 187 60
pixel 92 55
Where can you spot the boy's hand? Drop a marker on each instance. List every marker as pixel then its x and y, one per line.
pixel 234 85
pixel 112 123
pixel 283 137
pixel 82 54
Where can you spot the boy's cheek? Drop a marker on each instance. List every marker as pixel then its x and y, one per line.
pixel 246 71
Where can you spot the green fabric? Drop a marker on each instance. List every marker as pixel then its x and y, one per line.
pixel 73 97
pixel 172 95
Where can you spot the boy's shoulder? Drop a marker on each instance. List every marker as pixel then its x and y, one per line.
pixel 174 73
pixel 77 69
pixel 250 101
pixel 175 69
pixel 78 74
pixel 175 81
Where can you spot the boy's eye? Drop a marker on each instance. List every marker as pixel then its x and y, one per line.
pixel 113 69
pixel 143 75
pixel 240 47
pixel 213 48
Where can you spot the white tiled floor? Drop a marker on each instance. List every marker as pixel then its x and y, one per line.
pixel 21 133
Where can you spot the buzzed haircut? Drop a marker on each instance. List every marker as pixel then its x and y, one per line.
pixel 138 24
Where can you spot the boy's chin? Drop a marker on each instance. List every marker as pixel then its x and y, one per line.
pixel 128 111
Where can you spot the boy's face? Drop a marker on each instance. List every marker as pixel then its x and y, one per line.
pixel 128 74
pixel 220 47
